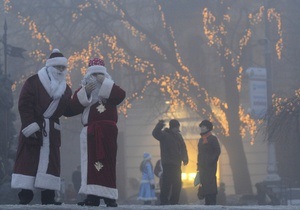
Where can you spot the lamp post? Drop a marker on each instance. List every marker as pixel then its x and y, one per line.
pixel 272 162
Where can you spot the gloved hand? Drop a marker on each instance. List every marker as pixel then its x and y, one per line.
pixel 100 78
pixel 153 186
pixel 33 136
pixel 161 123
pixel 89 88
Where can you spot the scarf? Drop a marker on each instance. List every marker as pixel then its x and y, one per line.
pixel 205 136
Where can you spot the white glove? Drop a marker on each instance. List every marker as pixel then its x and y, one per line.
pixel 89 88
pixel 100 78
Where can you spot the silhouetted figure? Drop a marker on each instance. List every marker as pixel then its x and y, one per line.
pixel 76 179
pixel 173 154
pixel 208 155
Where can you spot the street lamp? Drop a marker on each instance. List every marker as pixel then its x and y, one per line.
pixel 272 162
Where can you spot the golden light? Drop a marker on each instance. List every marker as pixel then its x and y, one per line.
pixel 178 86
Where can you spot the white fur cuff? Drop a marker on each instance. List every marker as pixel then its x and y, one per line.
pixel 82 97
pixel 30 129
pixel 106 88
pixel 47 181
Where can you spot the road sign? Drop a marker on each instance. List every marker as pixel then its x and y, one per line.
pixel 258 92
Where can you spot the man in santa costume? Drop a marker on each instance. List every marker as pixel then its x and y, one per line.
pixel 44 98
pixel 97 100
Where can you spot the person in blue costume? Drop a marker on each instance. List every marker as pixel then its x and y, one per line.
pixel 147 187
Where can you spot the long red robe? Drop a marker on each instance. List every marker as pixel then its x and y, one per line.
pixel 98 139
pixel 37 162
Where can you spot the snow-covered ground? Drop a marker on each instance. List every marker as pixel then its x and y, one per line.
pixel 144 207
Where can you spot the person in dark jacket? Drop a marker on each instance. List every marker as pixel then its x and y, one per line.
pixel 173 153
pixel 208 155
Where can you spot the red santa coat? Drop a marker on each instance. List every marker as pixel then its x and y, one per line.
pixel 37 162
pixel 98 139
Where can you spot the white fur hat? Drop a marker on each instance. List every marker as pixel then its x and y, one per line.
pixel 57 59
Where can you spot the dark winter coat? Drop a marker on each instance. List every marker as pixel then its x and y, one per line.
pixel 37 163
pixel 172 147
pixel 208 155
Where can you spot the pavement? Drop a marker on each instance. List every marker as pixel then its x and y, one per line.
pixel 145 207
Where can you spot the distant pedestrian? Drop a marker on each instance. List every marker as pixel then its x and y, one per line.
pixel 76 179
pixel 173 153
pixel 208 155
pixel 158 171
pixel 147 186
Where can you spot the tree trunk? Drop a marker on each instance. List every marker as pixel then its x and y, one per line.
pixel 234 144
pixel 238 164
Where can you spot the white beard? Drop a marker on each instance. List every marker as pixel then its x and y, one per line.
pixel 57 83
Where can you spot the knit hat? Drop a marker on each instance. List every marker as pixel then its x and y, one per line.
pixel 207 124
pixel 174 123
pixel 147 156
pixel 97 65
pixel 57 59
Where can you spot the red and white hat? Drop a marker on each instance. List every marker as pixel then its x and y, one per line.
pixel 97 65
pixel 57 59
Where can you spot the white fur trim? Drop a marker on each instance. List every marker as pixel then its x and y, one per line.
pixel 45 150
pixel 44 180
pixel 143 181
pixel 47 181
pixel 42 73
pixel 57 126
pixel 55 50
pixel 82 97
pixel 51 108
pixel 102 191
pixel 147 199
pixel 96 69
pixel 30 129
pixel 106 88
pixel 85 115
pixel 57 61
pixel 91 189
pixel 20 181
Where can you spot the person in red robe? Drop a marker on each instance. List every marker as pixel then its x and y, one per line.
pixel 97 100
pixel 44 98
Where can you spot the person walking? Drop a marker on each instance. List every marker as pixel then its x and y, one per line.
pixel 147 186
pixel 44 98
pixel 208 155
pixel 97 101
pixel 173 153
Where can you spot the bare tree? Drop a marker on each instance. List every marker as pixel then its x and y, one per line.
pixel 143 46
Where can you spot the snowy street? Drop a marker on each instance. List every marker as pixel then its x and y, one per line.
pixel 129 207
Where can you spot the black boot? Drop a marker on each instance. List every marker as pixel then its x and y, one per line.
pixel 25 196
pixel 91 200
pixel 47 197
pixel 110 202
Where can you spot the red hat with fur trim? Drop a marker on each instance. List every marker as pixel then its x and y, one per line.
pixel 97 65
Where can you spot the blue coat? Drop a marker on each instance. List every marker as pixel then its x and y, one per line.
pixel 147 193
